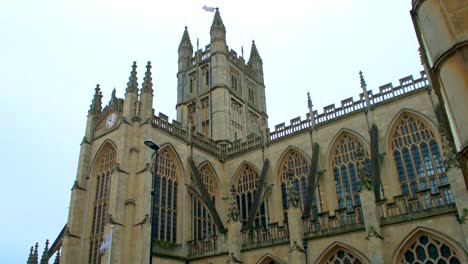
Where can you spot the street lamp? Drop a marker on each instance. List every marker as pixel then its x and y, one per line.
pixel 152 145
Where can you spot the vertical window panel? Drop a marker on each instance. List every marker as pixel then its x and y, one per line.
pixel 102 171
pixel 299 166
pixel 165 206
pixel 344 165
pixel 246 186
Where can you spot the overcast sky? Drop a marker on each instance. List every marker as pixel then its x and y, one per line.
pixel 54 52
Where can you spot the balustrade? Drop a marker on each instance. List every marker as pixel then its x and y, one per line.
pixel 199 247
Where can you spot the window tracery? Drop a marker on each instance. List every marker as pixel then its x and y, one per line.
pixel 246 185
pixel 427 249
pixel 345 161
pixel 102 174
pixel 417 156
pixel 342 256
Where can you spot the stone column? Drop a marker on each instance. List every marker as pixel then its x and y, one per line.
pixel 457 185
pixel 295 225
pixel 234 230
pixel 370 213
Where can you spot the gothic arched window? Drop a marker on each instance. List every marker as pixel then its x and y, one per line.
pixel 342 256
pixel 165 206
pixel 246 185
pixel 203 225
pixel 344 162
pixel 298 165
pixel 426 249
pixel 417 156
pixel 101 179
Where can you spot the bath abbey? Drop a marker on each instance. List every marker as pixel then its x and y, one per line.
pixel 377 179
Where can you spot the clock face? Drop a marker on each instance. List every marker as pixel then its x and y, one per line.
pixel 110 120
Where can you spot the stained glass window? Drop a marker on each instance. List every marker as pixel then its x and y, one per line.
pixel 101 177
pixel 165 206
pixel 426 249
pixel 299 166
pixel 417 156
pixel 345 161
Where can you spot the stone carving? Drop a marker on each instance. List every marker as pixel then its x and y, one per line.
pixel 232 259
pixel 451 159
pixel 293 199
pixel 365 182
pixel 233 209
pixel 296 247
pixel 373 232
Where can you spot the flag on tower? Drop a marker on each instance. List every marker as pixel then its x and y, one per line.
pixel 208 9
pixel 106 244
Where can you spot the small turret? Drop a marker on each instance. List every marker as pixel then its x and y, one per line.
pixel 218 31
pixel 146 98
pixel 185 51
pixel 131 94
pixel 255 62
pixel 30 258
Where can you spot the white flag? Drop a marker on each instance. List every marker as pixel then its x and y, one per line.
pixel 209 9
pixel 106 244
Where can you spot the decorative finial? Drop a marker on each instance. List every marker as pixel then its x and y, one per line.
pixel 30 257
pixel 35 254
pixel 364 90
pixel 148 80
pixel 185 41
pixel 254 55
pixel 311 111
pixel 363 82
pixel 45 253
pixel 132 85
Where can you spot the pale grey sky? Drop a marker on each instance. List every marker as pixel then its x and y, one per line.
pixel 54 52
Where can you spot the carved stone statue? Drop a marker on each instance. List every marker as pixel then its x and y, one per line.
pixel 293 199
pixel 233 209
pixel 365 182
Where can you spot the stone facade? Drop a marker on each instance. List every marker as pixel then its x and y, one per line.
pixel 362 182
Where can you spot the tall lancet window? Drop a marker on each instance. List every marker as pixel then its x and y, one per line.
pixel 203 225
pixel 246 185
pixel 417 156
pixel 165 206
pixel 344 163
pixel 101 179
pixel 296 164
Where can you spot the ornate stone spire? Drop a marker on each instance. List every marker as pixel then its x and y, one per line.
pixel 254 55
pixel 311 111
pixel 45 253
pixel 30 258
pixel 185 42
pixel 148 80
pixel 217 21
pixel 132 85
pixel 96 103
pixel 35 254
pixel 218 31
pixel 364 89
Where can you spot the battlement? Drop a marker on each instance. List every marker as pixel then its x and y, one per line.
pixel 348 106
pixel 331 113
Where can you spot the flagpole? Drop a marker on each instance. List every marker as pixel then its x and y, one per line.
pixel 110 246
